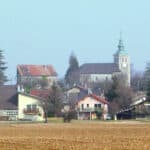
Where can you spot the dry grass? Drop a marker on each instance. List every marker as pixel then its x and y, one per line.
pixel 75 136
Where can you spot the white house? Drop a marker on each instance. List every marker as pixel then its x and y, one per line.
pixel 89 106
pixel 30 107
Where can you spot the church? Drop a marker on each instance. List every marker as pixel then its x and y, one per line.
pixel 98 72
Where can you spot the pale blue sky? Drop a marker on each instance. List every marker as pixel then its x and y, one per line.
pixel 46 31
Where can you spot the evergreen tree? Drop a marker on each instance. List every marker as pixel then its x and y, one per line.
pixel 111 94
pixel 71 76
pixel 3 78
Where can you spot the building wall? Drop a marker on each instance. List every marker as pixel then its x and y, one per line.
pixel 94 78
pixel 22 79
pixel 89 101
pixel 11 114
pixel 23 101
pixel 124 66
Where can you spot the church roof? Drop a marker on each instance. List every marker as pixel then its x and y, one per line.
pixel 121 50
pixel 99 68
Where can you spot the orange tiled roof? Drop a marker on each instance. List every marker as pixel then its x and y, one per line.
pixel 100 99
pixel 36 70
pixel 40 93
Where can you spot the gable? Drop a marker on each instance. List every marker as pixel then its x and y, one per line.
pixel 89 100
pixel 29 97
pixel 25 99
pixel 93 97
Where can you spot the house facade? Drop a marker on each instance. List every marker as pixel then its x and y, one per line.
pixel 98 72
pixel 92 107
pixel 36 74
pixel 30 107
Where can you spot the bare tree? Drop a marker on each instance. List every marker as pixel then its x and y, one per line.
pixel 147 77
pixel 119 95
pixel 53 103
pixel 55 98
pixel 138 81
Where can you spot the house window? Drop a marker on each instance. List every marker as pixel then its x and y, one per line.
pixel 99 105
pixel 31 108
pixel 87 105
pixel 34 107
pixel 82 106
pixel 95 105
pixel 28 107
pixel 96 78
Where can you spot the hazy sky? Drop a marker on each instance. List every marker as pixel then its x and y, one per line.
pixel 47 31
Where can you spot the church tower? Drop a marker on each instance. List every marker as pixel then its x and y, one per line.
pixel 122 59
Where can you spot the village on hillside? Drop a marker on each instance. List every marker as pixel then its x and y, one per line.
pixel 91 91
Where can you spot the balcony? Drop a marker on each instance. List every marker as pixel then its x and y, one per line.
pixel 88 109
pixel 31 111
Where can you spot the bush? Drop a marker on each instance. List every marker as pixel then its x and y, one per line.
pixel 68 116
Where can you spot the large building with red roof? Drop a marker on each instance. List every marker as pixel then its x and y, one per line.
pixel 36 74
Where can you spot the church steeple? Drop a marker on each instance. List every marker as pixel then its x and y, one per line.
pixel 121 50
pixel 121 58
pixel 120 45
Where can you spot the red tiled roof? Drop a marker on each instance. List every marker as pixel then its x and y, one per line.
pixel 36 70
pixel 98 98
pixel 40 93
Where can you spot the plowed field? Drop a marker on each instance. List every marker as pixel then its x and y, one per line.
pixel 75 136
